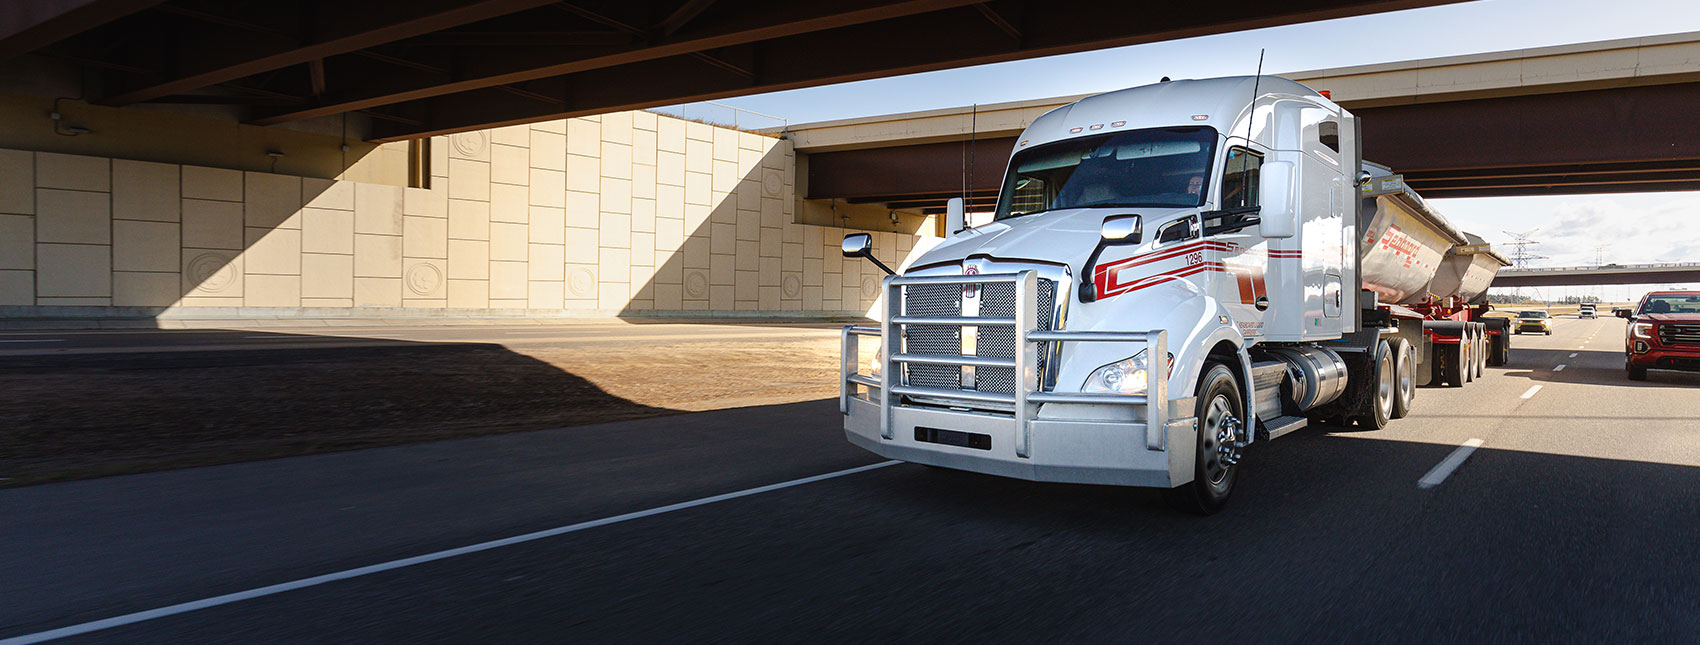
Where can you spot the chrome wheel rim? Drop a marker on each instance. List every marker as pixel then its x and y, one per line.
pixel 1220 434
pixel 1384 386
pixel 1407 379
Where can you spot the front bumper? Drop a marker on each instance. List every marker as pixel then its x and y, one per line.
pixel 1027 433
pixel 1666 358
pixel 1533 328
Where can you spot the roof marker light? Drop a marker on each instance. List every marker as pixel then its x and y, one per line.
pixel 1097 126
pixel 1024 143
pixel 1201 117
pixel 1326 94
pixel 1118 124
pixel 1074 130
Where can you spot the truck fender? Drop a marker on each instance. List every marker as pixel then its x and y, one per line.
pixel 1212 333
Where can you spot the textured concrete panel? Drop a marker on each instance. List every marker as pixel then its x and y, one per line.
pixel 423 279
pixel 616 160
pixel 377 256
pixel 327 193
pixel 508 241
pixel 548 188
pixel 547 262
pixel 273 201
pixel 212 224
pixel 377 209
pixel 513 135
pixel 508 165
pixel 145 289
pixel 469 259
pixel 473 146
pixel 212 273
pixel 72 172
pixel 273 251
pixel 212 183
pixel 469 294
pixel 468 220
pixel 509 203
pixel 670 134
pixel 145 246
pixel 615 265
pixel 145 191
pixel 426 237
pixel 508 280
pixel 546 295
pixel 616 230
pixel 327 231
pixel 272 291
pixel 73 270
pixel 73 216
pixel 547 224
pixel 17 288
pixel 469 179
pixel 326 275
pixel 17 241
pixel 584 136
pixel 548 149
pixel 582 246
pixel 17 183
pixel 613 297
pixel 377 292
pixel 583 209
pixel 583 173
pixel 425 202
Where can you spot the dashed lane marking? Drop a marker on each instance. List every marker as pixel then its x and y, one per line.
pixel 1560 368
pixel 204 603
pixel 1444 469
pixel 35 340
pixel 1526 395
pixel 1573 354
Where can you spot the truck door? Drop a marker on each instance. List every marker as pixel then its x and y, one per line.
pixel 1233 241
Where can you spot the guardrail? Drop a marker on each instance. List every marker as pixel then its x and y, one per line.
pixel 888 388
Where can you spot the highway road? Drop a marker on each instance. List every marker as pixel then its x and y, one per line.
pixel 1574 519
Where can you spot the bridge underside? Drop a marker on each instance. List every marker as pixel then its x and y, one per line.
pixel 1632 139
pixel 1598 277
pixel 428 67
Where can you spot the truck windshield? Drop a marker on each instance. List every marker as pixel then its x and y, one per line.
pixel 1672 304
pixel 1155 167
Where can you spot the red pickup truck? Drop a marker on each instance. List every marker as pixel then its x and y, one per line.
pixel 1663 334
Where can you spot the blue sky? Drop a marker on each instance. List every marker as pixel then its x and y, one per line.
pixel 1570 227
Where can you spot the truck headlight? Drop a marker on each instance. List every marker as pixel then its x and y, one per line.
pixel 1127 376
pixel 1641 330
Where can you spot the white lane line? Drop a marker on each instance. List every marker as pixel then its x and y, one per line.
pixel 1560 368
pixel 1573 354
pixel 204 603
pixel 35 340
pixel 1531 391
pixel 1444 469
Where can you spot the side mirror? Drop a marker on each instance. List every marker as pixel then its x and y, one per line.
pixel 1623 313
pixel 861 245
pixel 1121 229
pixel 954 217
pixel 1278 216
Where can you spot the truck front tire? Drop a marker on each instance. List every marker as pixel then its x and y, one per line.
pixel 1221 417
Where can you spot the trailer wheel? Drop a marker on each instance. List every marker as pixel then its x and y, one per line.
pixel 1451 364
pixel 1375 407
pixel 1499 350
pixel 1479 365
pixel 1404 378
pixel 1467 356
pixel 1221 431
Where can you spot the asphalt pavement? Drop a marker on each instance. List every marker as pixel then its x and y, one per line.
pixel 1573 520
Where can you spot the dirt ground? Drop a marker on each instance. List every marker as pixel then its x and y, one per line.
pixel 174 410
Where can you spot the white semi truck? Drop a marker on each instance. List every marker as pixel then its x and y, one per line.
pixel 1173 272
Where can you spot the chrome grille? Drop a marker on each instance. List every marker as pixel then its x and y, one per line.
pixel 933 300
pixel 998 301
pixel 1679 334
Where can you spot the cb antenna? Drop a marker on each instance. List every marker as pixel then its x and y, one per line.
pixel 1254 82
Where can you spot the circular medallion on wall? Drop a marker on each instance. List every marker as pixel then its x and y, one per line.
pixel 424 279
pixel 696 285
pixel 211 272
pixel 772 183
pixel 870 287
pixel 792 285
pixel 469 144
pixel 581 282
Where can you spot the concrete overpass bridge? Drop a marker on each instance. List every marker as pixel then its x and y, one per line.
pixel 1666 272
pixel 1602 117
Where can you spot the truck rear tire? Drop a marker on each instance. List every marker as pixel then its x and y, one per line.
pixel 1467 357
pixel 1480 364
pixel 1404 378
pixel 1221 418
pixel 1375 406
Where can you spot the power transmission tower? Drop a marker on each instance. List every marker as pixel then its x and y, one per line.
pixel 1520 255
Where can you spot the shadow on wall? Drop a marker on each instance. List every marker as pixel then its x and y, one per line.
pixel 737 247
pixel 143 237
pixel 88 415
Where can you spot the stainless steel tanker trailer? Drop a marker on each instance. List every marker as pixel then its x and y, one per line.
pixel 1173 272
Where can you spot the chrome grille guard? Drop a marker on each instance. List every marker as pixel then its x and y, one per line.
pixel 1027 393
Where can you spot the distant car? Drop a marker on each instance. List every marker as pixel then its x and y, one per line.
pixel 1663 333
pixel 1534 322
pixel 1587 311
